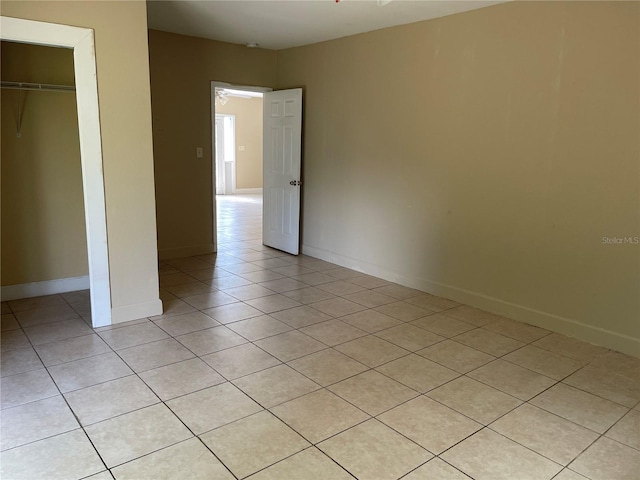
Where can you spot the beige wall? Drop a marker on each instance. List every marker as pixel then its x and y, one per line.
pixel 248 113
pixel 483 156
pixel 125 120
pixel 182 69
pixel 43 229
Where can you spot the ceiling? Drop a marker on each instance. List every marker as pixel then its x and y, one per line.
pixel 283 24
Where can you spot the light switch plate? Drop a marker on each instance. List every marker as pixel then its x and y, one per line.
pixel 199 152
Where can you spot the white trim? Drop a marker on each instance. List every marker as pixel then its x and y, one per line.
pixel 247 88
pixel 136 311
pixel 573 328
pixel 48 287
pixel 82 42
pixel 247 191
pixel 179 252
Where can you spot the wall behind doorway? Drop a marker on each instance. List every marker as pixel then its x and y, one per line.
pixel 43 225
pixel 182 69
pixel 248 112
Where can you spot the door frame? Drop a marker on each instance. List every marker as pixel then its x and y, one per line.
pixel 81 40
pixel 214 85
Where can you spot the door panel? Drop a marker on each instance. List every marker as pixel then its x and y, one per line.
pixel 282 158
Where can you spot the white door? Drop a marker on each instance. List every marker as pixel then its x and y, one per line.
pixel 281 169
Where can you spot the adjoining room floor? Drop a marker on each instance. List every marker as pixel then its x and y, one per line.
pixel 270 366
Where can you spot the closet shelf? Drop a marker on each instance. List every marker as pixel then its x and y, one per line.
pixel 38 87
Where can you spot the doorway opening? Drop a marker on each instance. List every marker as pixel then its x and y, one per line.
pixel 237 145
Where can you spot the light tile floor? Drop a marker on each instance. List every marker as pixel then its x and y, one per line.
pixel 269 366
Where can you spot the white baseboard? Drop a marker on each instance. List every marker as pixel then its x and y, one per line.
pixel 572 328
pixel 48 287
pixel 180 252
pixel 247 191
pixel 136 311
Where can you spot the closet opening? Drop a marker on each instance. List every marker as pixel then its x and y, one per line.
pixel 54 238
pixel 44 240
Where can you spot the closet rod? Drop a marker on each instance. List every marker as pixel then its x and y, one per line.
pixel 42 87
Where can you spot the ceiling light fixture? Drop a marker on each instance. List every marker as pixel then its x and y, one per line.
pixel 221 97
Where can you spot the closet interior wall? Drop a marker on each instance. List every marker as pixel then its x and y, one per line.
pixel 43 227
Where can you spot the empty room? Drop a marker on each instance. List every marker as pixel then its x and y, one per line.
pixel 421 261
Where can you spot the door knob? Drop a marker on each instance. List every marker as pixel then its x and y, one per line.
pixel 295 182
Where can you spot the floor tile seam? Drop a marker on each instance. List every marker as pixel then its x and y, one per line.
pixel 13 312
pixel 417 395
pixel 378 365
pixel 442 460
pixel 138 344
pixel 556 350
pixel 492 354
pixel 555 382
pixel 118 326
pixel 316 443
pixel 146 454
pixel 375 417
pixel 247 299
pixel 508 439
pixel 175 336
pixel 334 383
pixel 77 419
pixel 320 387
pixel 252 475
pixel 535 371
pixel 451 368
pixel 376 334
pixel 604 434
pixel 281 292
pixel 166 316
pixel 547 410
pixel 79 358
pixel 212 289
pixel 25 336
pixel 195 355
pixel 611 370
pixel 31 442
pixel 25 371
pixel 543 455
pixel 48 374
pixel 271 335
pixel 593 393
pixel 28 403
pixel 77 317
pixel 159 366
pixel 262 409
pixel 526 342
pixel 99 383
pixel 274 311
pixel 122 414
pixel 169 446
pixel 191 295
pixel 226 379
pixel 148 385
